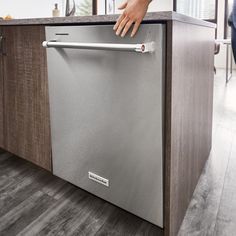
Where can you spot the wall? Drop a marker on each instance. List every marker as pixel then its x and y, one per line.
pixel 43 8
pixel 155 5
pixel 27 8
pixel 161 5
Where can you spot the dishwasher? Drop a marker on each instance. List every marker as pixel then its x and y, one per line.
pixel 106 110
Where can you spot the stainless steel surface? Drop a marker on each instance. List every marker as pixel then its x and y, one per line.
pixel 106 116
pixel 141 47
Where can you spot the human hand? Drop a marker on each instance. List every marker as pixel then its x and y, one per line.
pixel 134 12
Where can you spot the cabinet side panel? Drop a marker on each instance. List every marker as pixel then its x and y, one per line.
pixel 190 96
pixel 26 95
pixel 1 101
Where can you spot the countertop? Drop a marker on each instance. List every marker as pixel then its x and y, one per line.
pixel 106 19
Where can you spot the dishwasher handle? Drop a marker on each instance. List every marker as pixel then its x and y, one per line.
pixel 139 48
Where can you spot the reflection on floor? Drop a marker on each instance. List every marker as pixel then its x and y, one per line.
pixel 212 210
pixel 33 202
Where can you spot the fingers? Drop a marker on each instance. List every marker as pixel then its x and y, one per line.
pixel 126 28
pixel 122 25
pixel 123 5
pixel 134 12
pixel 121 17
pixel 135 28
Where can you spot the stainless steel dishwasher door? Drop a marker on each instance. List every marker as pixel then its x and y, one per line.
pixel 106 111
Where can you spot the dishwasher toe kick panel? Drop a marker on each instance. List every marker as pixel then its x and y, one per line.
pixel 106 108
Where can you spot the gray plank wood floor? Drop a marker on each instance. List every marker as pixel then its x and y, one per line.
pixel 34 202
pixel 212 211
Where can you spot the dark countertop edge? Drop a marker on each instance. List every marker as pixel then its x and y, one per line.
pixel 107 19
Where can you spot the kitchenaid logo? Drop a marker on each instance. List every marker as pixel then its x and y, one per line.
pixel 98 179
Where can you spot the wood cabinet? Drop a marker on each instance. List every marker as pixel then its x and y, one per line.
pixel 1 96
pixel 26 106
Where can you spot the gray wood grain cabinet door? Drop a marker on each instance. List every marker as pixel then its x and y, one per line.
pixel 26 94
pixel 1 97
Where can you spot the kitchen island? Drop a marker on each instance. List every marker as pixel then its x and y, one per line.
pixel 187 80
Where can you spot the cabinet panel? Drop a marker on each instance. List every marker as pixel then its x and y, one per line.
pixel 26 94
pixel 1 99
pixel 189 106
